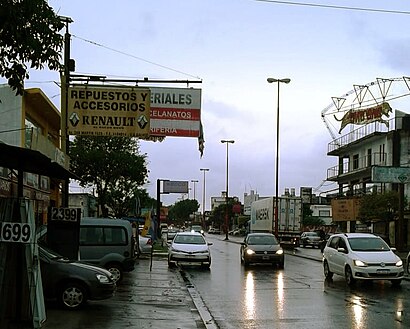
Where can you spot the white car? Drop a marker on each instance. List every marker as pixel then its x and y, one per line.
pixel 361 256
pixel 189 247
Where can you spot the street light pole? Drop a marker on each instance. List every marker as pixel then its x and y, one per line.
pixel 227 142
pixel 194 181
pixel 279 81
pixel 203 198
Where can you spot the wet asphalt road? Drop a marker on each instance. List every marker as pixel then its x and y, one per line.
pixel 145 299
pixel 230 297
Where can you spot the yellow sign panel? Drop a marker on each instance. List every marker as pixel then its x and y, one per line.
pixel 345 209
pixel 95 111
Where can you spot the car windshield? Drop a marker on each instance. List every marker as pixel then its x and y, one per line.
pixel 312 234
pixel 196 228
pixel 368 244
pixel 189 239
pixel 262 240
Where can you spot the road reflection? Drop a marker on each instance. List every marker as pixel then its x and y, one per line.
pixel 358 311
pixel 250 296
pixel 281 295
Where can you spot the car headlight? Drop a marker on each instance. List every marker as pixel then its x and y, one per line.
pixel 250 251
pixel 399 263
pixel 279 252
pixel 359 263
pixel 102 278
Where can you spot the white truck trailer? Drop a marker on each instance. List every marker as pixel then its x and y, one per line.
pixel 289 218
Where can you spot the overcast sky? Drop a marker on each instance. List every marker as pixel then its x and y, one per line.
pixel 233 46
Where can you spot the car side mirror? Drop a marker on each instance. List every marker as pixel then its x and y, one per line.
pixel 342 250
pixel 393 249
pixel 210 243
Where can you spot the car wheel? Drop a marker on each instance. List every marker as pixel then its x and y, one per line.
pixel 349 276
pixel 396 283
pixel 72 296
pixel 408 266
pixel 245 263
pixel 281 265
pixel 116 271
pixel 328 273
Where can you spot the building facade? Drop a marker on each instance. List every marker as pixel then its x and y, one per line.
pixel 380 143
pixel 31 122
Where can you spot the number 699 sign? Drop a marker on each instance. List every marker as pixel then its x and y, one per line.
pixel 16 232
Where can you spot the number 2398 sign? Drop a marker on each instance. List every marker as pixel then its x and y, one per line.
pixel 66 214
pixel 16 232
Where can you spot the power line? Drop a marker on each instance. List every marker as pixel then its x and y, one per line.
pixel 135 57
pixel 385 11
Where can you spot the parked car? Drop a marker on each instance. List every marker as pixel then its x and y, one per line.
pixel 262 248
pixel 105 242
pixel 145 244
pixel 310 239
pixel 72 283
pixel 189 247
pixel 361 256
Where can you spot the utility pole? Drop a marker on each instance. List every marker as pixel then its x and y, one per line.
pixel 65 82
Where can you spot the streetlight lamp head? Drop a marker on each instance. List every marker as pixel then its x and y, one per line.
pixel 271 80
pixel 227 141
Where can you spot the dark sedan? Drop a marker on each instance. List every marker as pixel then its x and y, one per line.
pixel 262 248
pixel 72 283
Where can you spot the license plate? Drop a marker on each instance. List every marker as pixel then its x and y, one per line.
pixel 383 271
pixel 265 257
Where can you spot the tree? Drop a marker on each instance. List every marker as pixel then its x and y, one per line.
pixel 114 166
pixel 181 210
pixel 29 34
pixel 378 206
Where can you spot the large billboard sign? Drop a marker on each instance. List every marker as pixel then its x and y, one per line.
pixel 175 112
pixel 365 116
pixel 108 111
pixel 175 186
pixel 345 209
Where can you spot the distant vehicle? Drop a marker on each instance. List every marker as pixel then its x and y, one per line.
pixel 289 218
pixel 189 247
pixel 213 230
pixel 164 228
pixel 310 239
pixel 72 283
pixel 262 248
pixel 197 228
pixel 361 256
pixel 172 232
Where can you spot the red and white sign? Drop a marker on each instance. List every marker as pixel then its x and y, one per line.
pixel 175 112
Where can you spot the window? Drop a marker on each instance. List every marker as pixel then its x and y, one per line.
pixel 90 235
pixel 355 161
pixel 369 157
pixel 324 213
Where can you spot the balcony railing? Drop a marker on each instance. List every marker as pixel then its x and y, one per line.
pixel 357 164
pixel 36 141
pixel 359 133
